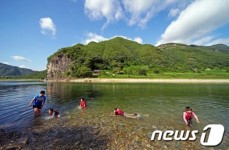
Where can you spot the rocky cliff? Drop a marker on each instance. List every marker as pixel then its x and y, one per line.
pixel 58 66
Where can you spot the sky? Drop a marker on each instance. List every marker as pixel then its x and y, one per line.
pixel 32 30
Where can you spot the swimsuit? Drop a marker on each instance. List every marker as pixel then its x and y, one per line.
pixel 188 117
pixel 119 112
pixel 83 104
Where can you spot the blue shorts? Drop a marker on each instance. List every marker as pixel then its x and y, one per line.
pixel 37 106
pixel 189 122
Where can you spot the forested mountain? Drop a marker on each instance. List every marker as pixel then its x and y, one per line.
pixel 122 56
pixel 8 70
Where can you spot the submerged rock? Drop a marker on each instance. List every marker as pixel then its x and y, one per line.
pixel 154 127
pixel 23 140
pixel 13 140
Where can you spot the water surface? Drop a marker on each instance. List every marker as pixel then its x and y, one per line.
pixel 160 104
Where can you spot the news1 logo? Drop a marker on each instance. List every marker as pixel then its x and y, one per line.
pixel 214 137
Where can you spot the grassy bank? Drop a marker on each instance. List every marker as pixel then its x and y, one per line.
pixel 213 74
pixel 174 75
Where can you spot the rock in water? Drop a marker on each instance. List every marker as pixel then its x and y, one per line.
pixel 23 140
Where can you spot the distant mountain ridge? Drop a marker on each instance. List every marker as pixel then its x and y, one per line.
pixel 8 70
pixel 216 47
pixel 220 47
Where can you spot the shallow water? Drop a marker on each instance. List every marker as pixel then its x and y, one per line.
pixel 161 106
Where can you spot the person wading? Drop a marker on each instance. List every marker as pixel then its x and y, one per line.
pixel 38 102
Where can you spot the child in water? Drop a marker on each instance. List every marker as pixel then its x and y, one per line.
pixel 38 102
pixel 83 104
pixel 188 114
pixel 53 113
pixel 118 111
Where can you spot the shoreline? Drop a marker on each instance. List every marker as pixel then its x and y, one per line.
pixel 123 80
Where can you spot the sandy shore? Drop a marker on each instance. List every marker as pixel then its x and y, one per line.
pixel 104 80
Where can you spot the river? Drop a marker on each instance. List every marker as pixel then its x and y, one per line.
pixel 160 105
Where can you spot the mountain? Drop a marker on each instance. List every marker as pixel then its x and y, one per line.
pixel 219 47
pixel 122 56
pixel 40 75
pixel 7 70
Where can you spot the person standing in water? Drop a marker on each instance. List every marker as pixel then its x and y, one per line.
pixel 188 114
pixel 83 103
pixel 38 102
pixel 119 112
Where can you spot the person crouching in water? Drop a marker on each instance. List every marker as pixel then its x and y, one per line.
pixel 83 103
pixel 53 113
pixel 38 103
pixel 188 114
pixel 119 112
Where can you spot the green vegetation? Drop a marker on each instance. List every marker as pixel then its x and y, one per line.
pixel 119 57
pixel 35 75
pixel 214 74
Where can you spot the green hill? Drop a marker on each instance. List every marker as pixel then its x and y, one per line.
pixel 7 70
pixel 35 75
pixel 122 56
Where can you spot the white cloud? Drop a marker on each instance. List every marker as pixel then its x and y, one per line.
pixel 109 9
pixel 203 40
pixel 138 39
pixel 95 38
pixel 22 66
pixel 219 41
pixel 20 58
pixel 135 12
pixel 195 22
pixel 174 12
pixel 139 13
pixel 47 26
pixel 99 38
pixel 4 62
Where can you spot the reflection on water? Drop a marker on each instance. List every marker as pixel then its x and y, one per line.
pixel 62 93
pixel 160 104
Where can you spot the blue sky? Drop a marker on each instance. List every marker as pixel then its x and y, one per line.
pixel 32 30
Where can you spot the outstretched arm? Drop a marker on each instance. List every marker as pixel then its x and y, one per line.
pixel 195 116
pixel 31 102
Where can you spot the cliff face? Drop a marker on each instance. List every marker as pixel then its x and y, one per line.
pixel 58 66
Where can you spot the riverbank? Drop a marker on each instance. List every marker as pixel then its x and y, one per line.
pixel 113 80
pixel 124 80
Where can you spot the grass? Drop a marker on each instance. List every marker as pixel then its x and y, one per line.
pixel 219 74
pixel 212 74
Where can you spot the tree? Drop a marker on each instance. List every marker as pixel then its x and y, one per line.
pixel 84 72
